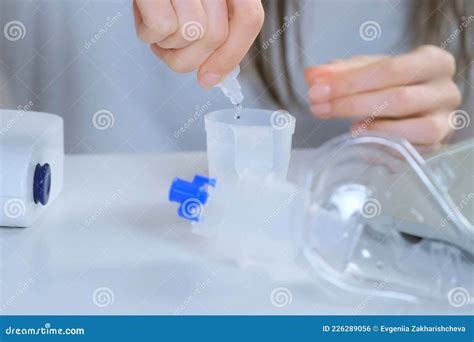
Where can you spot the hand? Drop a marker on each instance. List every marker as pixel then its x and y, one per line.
pixel 210 35
pixel 409 96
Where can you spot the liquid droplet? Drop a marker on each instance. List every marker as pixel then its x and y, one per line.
pixel 238 108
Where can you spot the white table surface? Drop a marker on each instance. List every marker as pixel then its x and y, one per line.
pixel 113 227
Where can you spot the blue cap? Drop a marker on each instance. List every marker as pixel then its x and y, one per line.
pixel 191 195
pixel 42 183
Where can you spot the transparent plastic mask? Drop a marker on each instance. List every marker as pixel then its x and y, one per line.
pixel 380 216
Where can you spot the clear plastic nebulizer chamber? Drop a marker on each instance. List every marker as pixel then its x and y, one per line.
pixel 368 213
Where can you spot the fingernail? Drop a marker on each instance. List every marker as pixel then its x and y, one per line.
pixel 322 110
pixel 209 80
pixel 319 92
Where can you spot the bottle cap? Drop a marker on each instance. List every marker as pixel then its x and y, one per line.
pixel 42 183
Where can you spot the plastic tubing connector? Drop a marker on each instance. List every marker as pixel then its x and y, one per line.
pixel 192 196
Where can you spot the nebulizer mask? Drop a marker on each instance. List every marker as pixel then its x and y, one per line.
pixel 382 217
pixel 365 211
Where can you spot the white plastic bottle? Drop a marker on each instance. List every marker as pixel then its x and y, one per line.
pixel 31 165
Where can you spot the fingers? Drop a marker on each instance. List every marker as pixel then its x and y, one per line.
pixel 171 24
pixel 245 23
pixel 191 57
pixel 424 130
pixel 192 24
pixel 340 65
pixel 212 35
pixel 425 63
pixel 155 20
pixel 396 102
pixel 408 96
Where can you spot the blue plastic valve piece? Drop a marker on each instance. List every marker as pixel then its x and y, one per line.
pixel 192 196
pixel 42 183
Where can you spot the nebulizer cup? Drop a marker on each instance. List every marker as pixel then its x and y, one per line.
pixel 250 214
pixel 257 144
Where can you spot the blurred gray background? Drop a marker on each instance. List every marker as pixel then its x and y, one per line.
pixel 60 66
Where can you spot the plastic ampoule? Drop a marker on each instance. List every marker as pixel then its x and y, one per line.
pixel 230 86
